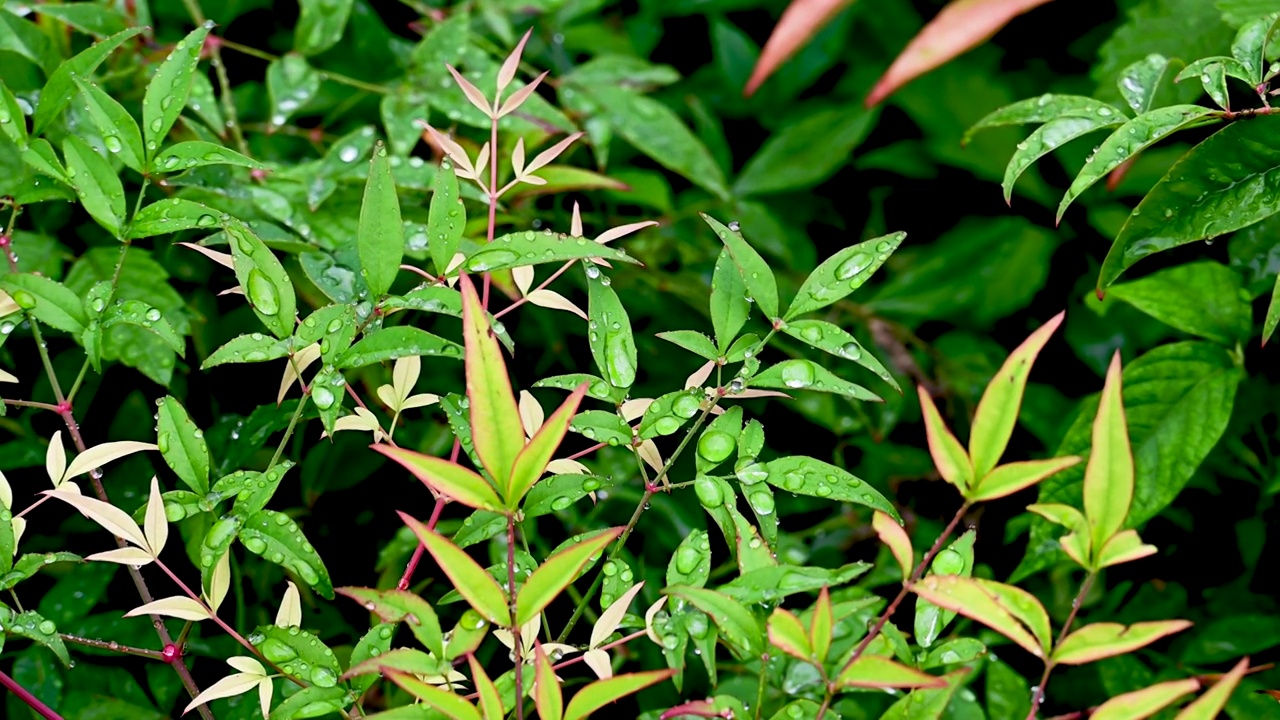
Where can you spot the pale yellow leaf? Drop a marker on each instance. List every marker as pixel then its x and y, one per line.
pixel 419 400
pixel 612 616
pixel 294 367
pixel 517 158
pixel 623 230
pixel 55 459
pixel 523 277
pixel 700 375
pixel 7 305
pixel 482 161
pixel 575 225
pixel 265 689
pixel 387 395
pixel 100 455
pixel 472 92
pixel 178 606
pixel 247 665
pixel 229 686
pixel 237 290
pixel 223 259
pixel 517 99
pixel 507 72
pixel 649 453
pixel 136 557
pixel 110 517
pixel 454 151
pixel 404 375
pixel 157 525
pixel 648 620
pixel 598 661
pixel 8 377
pixel 19 525
pixel 290 613
pixel 6 492
pixel 555 301
pixel 220 581
pixel 531 413
pixel 565 466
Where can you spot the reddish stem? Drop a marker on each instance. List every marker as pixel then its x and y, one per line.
pixel 25 696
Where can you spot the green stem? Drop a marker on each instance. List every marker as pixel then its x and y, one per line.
pixel 324 74
pixel 224 83
pixel 288 431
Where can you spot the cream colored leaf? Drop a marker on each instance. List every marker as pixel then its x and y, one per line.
pixel 482 161
pixel 265 689
pixel 523 277
pixel 555 301
pixel 290 613
pixel 517 158
pixel 623 230
pixel 387 395
pixel 115 520
pixel 717 410
pixel 7 305
pixel 55 459
pixel 472 92
pixel 178 606
pixel 99 455
pixel 612 616
pixel 453 150
pixel 19 525
pixel 456 262
pixel 517 99
pixel 598 661
pixel 649 453
pixel 404 375
pixel 648 620
pixel 760 393
pixel 294 367
pixel 8 377
pixel 237 290
pixel 507 72
pixel 6 492
pixel 533 180
pixel 634 409
pixel 362 420
pixel 229 686
pixel 546 156
pixel 575 225
pixel 156 524
pixel 223 259
pixel 531 413
pixel 700 375
pixel 136 557
pixel 419 400
pixel 247 665
pixel 220 581
pixel 565 466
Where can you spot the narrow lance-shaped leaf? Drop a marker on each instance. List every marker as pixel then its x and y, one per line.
pixel 613 346
pixel 738 626
pixel 380 234
pixel 546 691
pixel 12 122
pixel 1103 640
pixel 446 218
pixel 495 416
pixel 447 478
pixel 949 456
pixel 1140 81
pixel 729 306
pixel 1208 705
pixel 837 341
pixel 870 671
pixel 603 692
pixel 802 374
pixel 559 570
pixel 998 410
pixel 1008 610
pixel 59 89
pixel 761 286
pixel 276 537
pixel 266 284
pixel 892 534
pixel 787 634
pixel 532 460
pixel 1223 184
pixel 1042 109
pixel 118 128
pixel 170 87
pixel 1108 478
pixel 468 578
pixel 1046 139
pixel 528 247
pixel 843 273
pixel 1012 477
pixel 443 702
pixel 182 445
pixel 799 23
pixel 96 184
pixel 1146 702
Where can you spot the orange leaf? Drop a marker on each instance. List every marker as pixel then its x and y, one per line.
pixel 799 23
pixel 961 26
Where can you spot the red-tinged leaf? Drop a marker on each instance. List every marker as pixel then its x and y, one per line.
pixel 394 605
pixel 1012 477
pixel 554 575
pixel 468 578
pixel 871 671
pixel 1208 705
pixel 452 706
pixel 1010 611
pixel 546 690
pixel 1103 640
pixel 696 708
pixel 473 93
pixel 507 72
pixel 1146 702
pixel 532 461
pixel 799 23
pixel 998 410
pixel 892 534
pixel 961 26
pixel 821 625
pixel 447 478
pixel 788 635
pixel 490 699
pixel 1125 546
pixel 949 456
pixel 407 660
pixel 602 692
pixel 495 417
pixel 1108 478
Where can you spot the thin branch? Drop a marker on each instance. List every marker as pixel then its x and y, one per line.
pixel 31 700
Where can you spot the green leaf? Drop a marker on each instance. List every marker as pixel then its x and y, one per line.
pixel 771 584
pixel 12 122
pixel 1201 298
pixel 843 273
pixel 1042 109
pixel 41 157
pixel 953 652
pixel 1146 702
pixel 998 410
pixel 30 563
pixel 95 183
pixel 375 643
pixel 495 418
pixel 870 671
pixel 1102 640
pixel 397 342
pixel 254 347
pixel 298 653
pixel 791 160
pixel 1273 313
pixel 1208 705
pixel 1250 45
pixel 170 87
pixel 48 301
pixel 603 692
pixel 291 84
pixel 739 628
pixel 182 156
pixel 718 441
pixel 532 461
pixel 949 456
pixel 446 478
pixel 1046 139
pixel 807 476
pixel 557 573
pixel 557 492
pixel 88 18
pixel 320 25
pixel 468 578
pixel 693 341
pixel 787 634
pixel 1140 82
pixel 1011 477
pixel 142 315
pixel 276 537
pixel 657 132
pixel 1010 611
pixel 182 445
pixel 394 606
pixel 118 128
pixel 1212 72
pixel 266 284
pixel 34 627
pixel 955 559
pixel 170 216
pixel 729 306
pixel 258 488
pixel 834 340
pixel 445 704
pixel 446 218
pixel 535 248
pixel 612 344
pixel 60 88
pixel 809 375
pixel 24 38
pixel 380 235
pixel 315 701
pixel 928 703
pixel 1223 184
pixel 691 563
pixel 1130 139
pixel 756 275
pixel 1108 478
